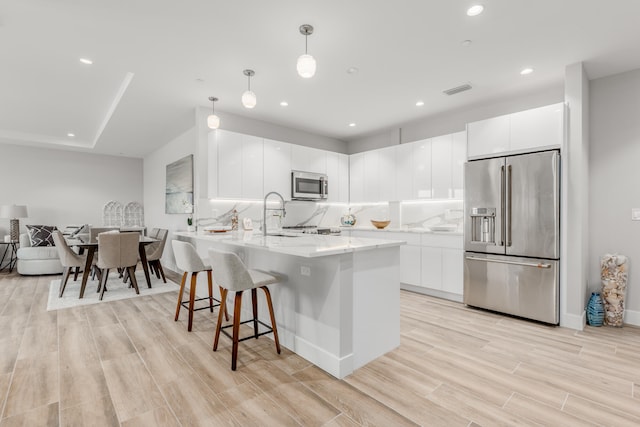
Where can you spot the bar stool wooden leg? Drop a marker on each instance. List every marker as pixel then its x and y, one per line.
pixel 273 318
pixel 223 303
pixel 192 297
pixel 254 302
pixel 223 307
pixel 236 329
pixel 210 284
pixel 184 280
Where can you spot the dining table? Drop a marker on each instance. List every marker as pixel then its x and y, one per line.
pixel 85 243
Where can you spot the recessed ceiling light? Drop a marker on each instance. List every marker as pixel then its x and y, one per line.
pixel 86 61
pixel 352 125
pixel 71 135
pixel 284 104
pixel 526 71
pixel 475 10
pixel 466 43
pixel 419 103
pixel 352 70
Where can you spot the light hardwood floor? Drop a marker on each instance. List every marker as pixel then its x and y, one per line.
pixel 128 363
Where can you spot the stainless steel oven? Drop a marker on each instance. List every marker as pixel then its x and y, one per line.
pixel 309 186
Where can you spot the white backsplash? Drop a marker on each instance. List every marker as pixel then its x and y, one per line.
pixel 403 215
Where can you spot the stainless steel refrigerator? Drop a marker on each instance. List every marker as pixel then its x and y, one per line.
pixel 512 235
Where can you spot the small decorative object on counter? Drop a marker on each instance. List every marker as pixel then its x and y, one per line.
pixel 595 310
pixel 348 220
pixel 380 224
pixel 613 272
pixel 190 226
pixel 234 220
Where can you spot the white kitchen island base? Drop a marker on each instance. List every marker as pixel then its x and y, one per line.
pixel 337 310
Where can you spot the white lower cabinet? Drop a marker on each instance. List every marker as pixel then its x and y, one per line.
pixel 452 270
pixel 431 268
pixel 429 263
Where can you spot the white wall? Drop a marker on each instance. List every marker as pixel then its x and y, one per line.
pixel 155 176
pixel 574 240
pixel 455 121
pixel 268 130
pixel 614 184
pixel 65 187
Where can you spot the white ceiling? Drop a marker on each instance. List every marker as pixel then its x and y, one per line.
pixel 142 89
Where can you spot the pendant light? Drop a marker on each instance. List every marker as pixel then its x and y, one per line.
pixel 306 63
pixel 213 121
pixel 248 97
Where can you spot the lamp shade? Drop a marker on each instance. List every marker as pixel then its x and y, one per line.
pixel 213 121
pixel 13 211
pixel 306 66
pixel 249 99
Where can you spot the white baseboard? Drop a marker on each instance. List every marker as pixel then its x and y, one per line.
pixel 573 321
pixel 632 317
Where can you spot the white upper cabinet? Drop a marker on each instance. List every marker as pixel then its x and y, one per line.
pixel 458 157
pixel 421 159
pixel 252 167
pixel 386 174
pixel 441 170
pixel 212 165
pixel 404 172
pixel 535 129
pixel 229 146
pixel 356 178
pixel 277 168
pixel 338 176
pixel 488 137
pixel 343 169
pixel 371 181
pixel 308 159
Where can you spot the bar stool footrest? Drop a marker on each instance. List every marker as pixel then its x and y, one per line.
pixel 268 331
pixel 185 303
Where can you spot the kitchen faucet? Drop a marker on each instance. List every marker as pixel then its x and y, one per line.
pixel 264 210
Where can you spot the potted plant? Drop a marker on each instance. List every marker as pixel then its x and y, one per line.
pixel 188 208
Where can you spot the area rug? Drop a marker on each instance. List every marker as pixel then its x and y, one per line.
pixel 116 290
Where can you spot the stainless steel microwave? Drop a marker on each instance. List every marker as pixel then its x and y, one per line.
pixel 309 186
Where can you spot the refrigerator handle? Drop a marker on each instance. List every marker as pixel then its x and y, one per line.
pixel 502 206
pixel 503 261
pixel 508 216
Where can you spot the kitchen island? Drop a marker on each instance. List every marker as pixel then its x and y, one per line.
pixel 338 304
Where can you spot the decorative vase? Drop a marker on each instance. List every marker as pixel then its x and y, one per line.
pixel 348 220
pixel 595 310
pixel 613 271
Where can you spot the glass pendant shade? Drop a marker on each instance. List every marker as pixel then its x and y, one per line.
pixel 306 66
pixel 249 99
pixel 213 121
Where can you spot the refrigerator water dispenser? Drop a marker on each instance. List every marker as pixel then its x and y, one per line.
pixel 483 225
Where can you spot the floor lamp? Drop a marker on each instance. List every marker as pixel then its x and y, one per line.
pixel 13 212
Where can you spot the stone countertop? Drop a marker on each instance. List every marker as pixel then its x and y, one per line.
pixel 302 245
pixel 404 230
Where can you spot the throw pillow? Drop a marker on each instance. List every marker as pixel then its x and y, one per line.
pixel 40 235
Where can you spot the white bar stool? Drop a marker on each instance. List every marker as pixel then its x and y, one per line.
pixel 188 260
pixel 232 275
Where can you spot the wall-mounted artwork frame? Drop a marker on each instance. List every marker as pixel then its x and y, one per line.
pixel 179 187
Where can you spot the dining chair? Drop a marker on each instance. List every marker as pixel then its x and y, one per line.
pixel 188 260
pixel 232 275
pixel 154 252
pixel 68 258
pixel 117 250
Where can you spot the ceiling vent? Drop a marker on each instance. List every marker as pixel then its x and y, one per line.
pixel 457 89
